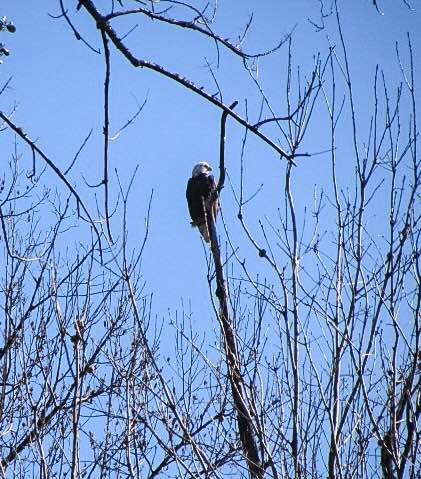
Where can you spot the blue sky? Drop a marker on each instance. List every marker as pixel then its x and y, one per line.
pixel 58 87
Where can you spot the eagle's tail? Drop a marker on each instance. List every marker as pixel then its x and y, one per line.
pixel 203 228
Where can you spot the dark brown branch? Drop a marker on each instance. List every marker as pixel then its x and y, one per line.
pixel 221 180
pixel 246 428
pixel 245 424
pixel 136 62
pixel 106 131
pixel 195 27
pixel 75 31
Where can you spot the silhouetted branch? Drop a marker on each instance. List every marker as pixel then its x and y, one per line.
pixel 221 180
pixel 82 146
pixel 246 428
pixel 56 170
pixel 106 131
pixel 74 29
pixel 196 27
pixel 136 62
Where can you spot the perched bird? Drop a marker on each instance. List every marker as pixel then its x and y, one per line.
pixel 201 198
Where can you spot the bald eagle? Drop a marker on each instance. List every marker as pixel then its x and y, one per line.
pixel 201 198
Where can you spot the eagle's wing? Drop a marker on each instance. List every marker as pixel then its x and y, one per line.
pixel 202 202
pixel 194 193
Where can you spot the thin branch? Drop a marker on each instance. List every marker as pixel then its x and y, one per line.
pixel 78 152
pixel 195 27
pixel 130 120
pixel 4 87
pixel 106 131
pixel 221 180
pixel 34 147
pixel 75 31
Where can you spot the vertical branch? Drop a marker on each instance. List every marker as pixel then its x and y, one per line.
pixel 221 180
pixel 76 340
pixel 293 255
pixel 246 428
pixel 294 258
pixel 337 347
pixel 106 130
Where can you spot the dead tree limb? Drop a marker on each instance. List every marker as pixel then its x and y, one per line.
pixel 103 24
pixel 246 428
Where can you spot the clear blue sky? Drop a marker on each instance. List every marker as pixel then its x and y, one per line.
pixel 58 86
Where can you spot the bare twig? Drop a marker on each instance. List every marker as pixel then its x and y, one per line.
pixel 56 170
pixel 78 152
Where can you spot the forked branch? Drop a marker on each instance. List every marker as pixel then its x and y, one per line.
pixel 80 204
pixel 104 26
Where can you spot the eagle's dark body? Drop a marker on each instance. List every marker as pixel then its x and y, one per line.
pixel 202 201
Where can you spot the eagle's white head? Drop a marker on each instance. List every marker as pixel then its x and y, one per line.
pixel 201 168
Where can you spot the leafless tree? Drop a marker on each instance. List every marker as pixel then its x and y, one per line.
pixel 315 366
